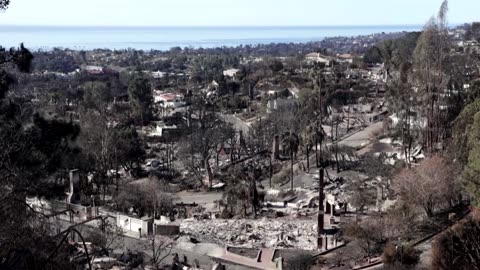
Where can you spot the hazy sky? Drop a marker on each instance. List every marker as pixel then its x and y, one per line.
pixel 233 12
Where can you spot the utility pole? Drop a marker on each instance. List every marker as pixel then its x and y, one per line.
pixel 321 210
pixel 270 170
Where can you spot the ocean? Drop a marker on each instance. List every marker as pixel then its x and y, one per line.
pixel 164 38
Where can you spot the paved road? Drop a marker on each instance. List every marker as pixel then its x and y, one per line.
pixel 363 137
pixel 198 197
pixel 237 123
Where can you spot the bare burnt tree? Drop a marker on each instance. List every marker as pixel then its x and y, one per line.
pixel 105 238
pixel 208 132
pixel 368 234
pixel 426 186
pixel 159 248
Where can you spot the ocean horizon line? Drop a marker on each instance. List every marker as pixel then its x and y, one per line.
pixel 166 37
pixel 214 26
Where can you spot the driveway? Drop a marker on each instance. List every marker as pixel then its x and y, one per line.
pixel 198 197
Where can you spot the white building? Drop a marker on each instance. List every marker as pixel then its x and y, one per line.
pixel 168 100
pixel 415 121
pixel 158 74
pixel 345 58
pixel 163 129
pixel 232 73
pixel 279 104
pixel 94 69
pixel 319 58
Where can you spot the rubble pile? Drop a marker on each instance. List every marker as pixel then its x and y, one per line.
pixel 299 234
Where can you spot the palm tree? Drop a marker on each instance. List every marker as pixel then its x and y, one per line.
pixel 318 136
pixel 336 121
pixel 308 140
pixel 291 142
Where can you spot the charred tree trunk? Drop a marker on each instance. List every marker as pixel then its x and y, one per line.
pixel 336 148
pixel 232 148
pixel 308 158
pixel 207 167
pixel 348 119
pixel 291 170
pixel 270 171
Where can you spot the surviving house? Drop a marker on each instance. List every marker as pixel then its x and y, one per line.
pixel 168 100
pixel 345 58
pixel 164 130
pixel 279 104
pixel 231 73
pixel 158 74
pixel 319 58
pixel 94 70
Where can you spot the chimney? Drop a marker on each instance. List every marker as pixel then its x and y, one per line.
pixel 74 193
pixel 321 209
pixel 275 150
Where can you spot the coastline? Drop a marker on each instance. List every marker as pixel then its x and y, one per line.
pixel 46 38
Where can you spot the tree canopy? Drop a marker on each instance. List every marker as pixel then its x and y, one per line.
pixel 140 93
pixel 4 4
pixel 33 149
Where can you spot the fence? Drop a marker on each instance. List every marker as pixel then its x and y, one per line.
pixel 80 213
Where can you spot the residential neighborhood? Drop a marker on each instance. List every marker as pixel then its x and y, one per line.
pixel 346 152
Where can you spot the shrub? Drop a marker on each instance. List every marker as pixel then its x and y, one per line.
pixel 300 262
pixel 458 247
pixel 282 177
pixel 369 235
pixel 400 257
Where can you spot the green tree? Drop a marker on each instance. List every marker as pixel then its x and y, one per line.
pixel 96 95
pixel 241 190
pixel 31 152
pixel 464 151
pixel 472 170
pixel 373 56
pixel 129 147
pixel 141 99
pixel 460 147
